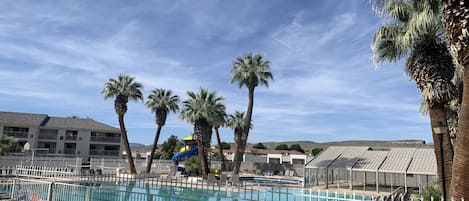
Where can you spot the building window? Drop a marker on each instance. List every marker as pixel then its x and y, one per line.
pixel 105 137
pixel 48 134
pixel 16 132
pixel 71 135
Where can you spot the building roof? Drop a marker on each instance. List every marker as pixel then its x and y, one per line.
pixel 77 123
pixel 370 161
pixel 423 163
pixel 395 160
pixel 349 157
pixel 398 160
pixel 43 120
pixel 16 118
pixel 326 157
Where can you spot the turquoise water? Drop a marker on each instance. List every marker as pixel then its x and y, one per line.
pixel 139 191
pixel 147 192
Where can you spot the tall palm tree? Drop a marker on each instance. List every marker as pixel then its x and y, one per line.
pixel 414 33
pixel 237 122
pixel 161 102
pixel 456 16
pixel 250 71
pixel 123 88
pixel 217 125
pixel 203 109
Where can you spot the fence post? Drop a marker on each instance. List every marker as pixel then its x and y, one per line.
pixel 50 191
pixel 13 190
pixel 88 194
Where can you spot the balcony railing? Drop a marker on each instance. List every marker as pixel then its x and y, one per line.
pixel 104 153
pixel 16 134
pixel 71 138
pixel 105 139
pixel 44 136
pixel 70 151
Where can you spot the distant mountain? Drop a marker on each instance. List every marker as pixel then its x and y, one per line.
pixel 135 145
pixel 308 145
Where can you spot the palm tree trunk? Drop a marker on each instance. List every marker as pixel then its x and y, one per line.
pixel 220 150
pixel 240 149
pixel 460 184
pixel 239 153
pixel 200 127
pixel 125 141
pixel 249 112
pixel 155 144
pixel 437 116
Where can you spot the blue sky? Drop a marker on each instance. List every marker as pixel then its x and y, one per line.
pixel 56 56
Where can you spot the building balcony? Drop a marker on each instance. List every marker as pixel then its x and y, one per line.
pixel 71 138
pixel 104 153
pixel 70 151
pixel 16 134
pixel 105 139
pixel 43 136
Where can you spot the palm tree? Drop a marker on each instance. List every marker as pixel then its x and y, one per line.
pixel 217 125
pixel 455 16
pixel 203 109
pixel 250 71
pixel 123 88
pixel 161 102
pixel 414 32
pixel 237 122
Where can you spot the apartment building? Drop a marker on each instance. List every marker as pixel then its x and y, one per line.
pixel 62 136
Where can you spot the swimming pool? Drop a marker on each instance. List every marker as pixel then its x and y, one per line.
pixel 144 191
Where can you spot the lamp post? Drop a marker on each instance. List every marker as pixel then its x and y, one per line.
pixel 441 129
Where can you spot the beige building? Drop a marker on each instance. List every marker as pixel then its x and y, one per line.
pixel 269 156
pixel 62 136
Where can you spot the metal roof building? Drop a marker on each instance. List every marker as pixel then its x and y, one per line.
pixel 362 167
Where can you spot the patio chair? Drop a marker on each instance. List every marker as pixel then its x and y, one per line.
pixel 234 181
pixel 287 173
pixel 223 179
pixel 211 179
pixel 292 173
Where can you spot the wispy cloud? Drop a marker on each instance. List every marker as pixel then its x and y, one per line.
pixel 56 57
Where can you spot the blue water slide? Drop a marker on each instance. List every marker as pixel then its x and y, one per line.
pixel 180 156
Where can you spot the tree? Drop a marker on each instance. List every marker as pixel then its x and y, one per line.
pixel 169 147
pixel 250 71
pixel 203 109
pixel 315 151
pixel 259 146
pixel 225 145
pixel 413 33
pixel 219 123
pixel 8 145
pixel 455 16
pixel 281 147
pixel 192 165
pixel 297 147
pixel 237 122
pixel 123 88
pixel 161 102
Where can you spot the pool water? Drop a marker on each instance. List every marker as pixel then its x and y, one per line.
pixel 147 192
